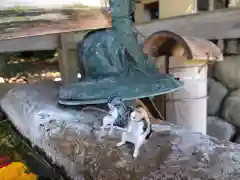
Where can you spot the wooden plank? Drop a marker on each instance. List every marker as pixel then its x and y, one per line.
pixel 232 46
pixel 41 22
pixel 139 13
pixel 148 1
pixel 220 44
pixel 211 5
pixel 33 43
pixel 166 8
pixel 68 61
pixel 219 24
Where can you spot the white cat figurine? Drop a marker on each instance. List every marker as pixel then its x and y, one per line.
pixel 109 119
pixel 139 129
pixel 118 115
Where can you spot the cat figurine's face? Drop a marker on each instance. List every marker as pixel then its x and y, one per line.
pixel 117 114
pixel 138 114
pixel 110 106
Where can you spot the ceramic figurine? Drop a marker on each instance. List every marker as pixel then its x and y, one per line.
pixel 138 130
pixel 118 115
pixel 113 62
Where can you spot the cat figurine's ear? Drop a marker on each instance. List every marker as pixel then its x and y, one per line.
pixel 115 100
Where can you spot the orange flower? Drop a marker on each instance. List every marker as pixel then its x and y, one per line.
pixel 16 171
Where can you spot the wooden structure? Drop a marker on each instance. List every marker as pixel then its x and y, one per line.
pixel 61 28
pixel 33 30
pixel 186 59
pixel 141 15
pixel 172 8
pixel 162 9
pixel 220 26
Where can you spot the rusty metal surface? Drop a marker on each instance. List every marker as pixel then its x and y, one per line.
pixel 40 22
pixel 168 43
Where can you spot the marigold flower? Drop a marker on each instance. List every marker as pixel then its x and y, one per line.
pixel 16 171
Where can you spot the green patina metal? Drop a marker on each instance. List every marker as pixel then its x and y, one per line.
pixel 114 64
pixel 122 25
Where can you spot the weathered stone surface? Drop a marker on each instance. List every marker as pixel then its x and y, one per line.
pixel 231 108
pixel 227 71
pixel 216 93
pixel 4 88
pixel 220 129
pixel 170 153
pixel 38 107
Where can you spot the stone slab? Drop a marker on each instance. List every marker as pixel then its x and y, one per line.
pixel 71 142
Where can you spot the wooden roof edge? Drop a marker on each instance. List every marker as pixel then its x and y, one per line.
pixel 205 13
pixel 53 22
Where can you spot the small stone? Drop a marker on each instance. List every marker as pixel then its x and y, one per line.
pixel 220 129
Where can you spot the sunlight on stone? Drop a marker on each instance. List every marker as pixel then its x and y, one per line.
pixel 2 80
pixel 59 78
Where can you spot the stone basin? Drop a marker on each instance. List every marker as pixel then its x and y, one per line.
pixel 72 142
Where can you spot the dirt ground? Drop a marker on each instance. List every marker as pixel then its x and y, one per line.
pixel 29 67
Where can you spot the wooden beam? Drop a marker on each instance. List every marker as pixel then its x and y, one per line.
pixel 169 8
pixel 220 44
pixel 43 22
pixel 148 1
pixel 232 3
pixel 232 46
pixel 33 43
pixel 219 24
pixel 139 13
pixel 68 60
pixel 3 63
pixel 211 5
